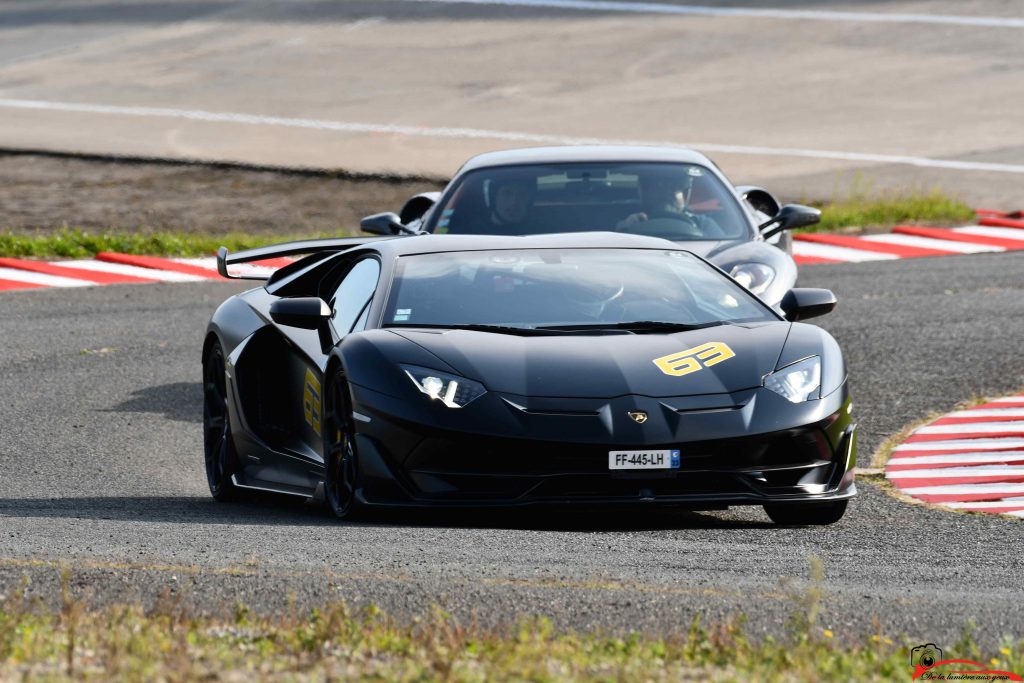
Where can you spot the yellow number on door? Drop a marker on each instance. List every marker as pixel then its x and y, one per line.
pixel 311 401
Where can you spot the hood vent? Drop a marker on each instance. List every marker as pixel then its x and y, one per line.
pixel 557 413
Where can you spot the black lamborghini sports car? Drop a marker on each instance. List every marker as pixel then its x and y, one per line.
pixel 675 194
pixel 477 370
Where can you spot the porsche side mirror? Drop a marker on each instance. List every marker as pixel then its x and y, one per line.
pixel 383 224
pixel 759 199
pixel 804 303
pixel 790 216
pixel 416 207
pixel 304 312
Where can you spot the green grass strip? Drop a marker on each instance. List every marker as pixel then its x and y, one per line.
pixel 336 643
pixel 886 210
pixel 171 642
pixel 889 209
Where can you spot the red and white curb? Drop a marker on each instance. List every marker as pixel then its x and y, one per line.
pixel 995 232
pixel 967 460
pixel 110 268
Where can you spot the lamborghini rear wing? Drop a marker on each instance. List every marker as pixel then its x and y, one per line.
pixel 225 258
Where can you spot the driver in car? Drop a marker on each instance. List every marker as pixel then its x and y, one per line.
pixel 511 201
pixel 665 197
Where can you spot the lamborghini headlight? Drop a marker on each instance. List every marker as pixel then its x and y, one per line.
pixel 451 390
pixel 797 382
pixel 756 277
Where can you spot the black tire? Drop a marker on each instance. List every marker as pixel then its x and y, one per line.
pixel 218 445
pixel 807 514
pixel 340 456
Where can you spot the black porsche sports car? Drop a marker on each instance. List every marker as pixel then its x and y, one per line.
pixel 483 370
pixel 675 194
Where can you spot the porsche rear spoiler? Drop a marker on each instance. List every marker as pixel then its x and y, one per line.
pixel 226 258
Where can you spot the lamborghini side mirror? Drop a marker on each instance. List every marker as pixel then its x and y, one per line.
pixel 803 303
pixel 383 224
pixel 306 312
pixel 790 216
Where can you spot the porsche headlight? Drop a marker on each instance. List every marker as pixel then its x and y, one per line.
pixel 756 277
pixel 451 390
pixel 797 382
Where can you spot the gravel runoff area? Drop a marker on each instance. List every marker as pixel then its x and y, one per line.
pixel 102 471
pixel 40 193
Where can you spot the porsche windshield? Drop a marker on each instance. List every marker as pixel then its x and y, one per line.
pixel 673 201
pixel 545 288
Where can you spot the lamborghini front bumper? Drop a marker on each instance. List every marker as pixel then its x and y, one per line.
pixel 751 447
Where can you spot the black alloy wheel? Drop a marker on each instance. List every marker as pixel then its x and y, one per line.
pixel 218 446
pixel 340 450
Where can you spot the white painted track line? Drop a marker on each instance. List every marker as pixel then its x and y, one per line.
pixel 988 412
pixel 754 12
pixel 838 253
pixel 987 231
pixel 151 273
pixel 983 504
pixel 1009 399
pixel 1000 490
pixel 203 262
pixel 929 243
pixel 486 134
pixel 41 278
pixel 960 472
pixel 965 444
pixel 958 459
pixel 974 428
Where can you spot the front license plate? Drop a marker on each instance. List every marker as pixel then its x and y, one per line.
pixel 643 460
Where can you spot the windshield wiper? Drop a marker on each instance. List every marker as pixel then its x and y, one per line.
pixel 636 326
pixel 497 329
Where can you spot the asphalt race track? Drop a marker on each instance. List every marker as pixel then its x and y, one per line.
pixel 102 471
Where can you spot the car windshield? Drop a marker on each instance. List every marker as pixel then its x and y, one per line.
pixel 649 289
pixel 674 201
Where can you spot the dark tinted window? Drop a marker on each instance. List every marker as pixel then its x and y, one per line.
pixel 361 323
pixel 672 201
pixel 353 293
pixel 536 287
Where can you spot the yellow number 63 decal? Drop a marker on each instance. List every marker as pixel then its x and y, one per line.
pixel 692 360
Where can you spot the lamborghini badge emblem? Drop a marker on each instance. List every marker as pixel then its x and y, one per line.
pixel 638 416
